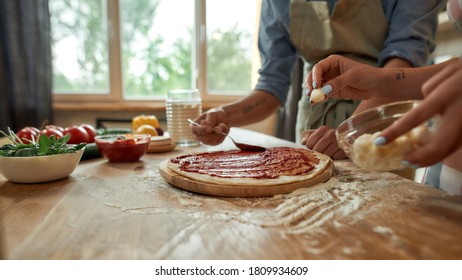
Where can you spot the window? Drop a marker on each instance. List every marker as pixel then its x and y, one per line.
pixel 125 50
pixel 80 54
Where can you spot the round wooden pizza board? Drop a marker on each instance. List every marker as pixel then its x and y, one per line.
pixel 185 183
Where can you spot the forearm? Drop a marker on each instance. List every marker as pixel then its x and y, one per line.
pixel 374 102
pixel 406 83
pixel 401 82
pixel 252 108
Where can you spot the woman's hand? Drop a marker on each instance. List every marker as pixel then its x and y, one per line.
pixel 323 140
pixel 443 97
pixel 211 121
pixel 341 77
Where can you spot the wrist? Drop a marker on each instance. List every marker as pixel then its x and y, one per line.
pixel 221 110
pixel 390 80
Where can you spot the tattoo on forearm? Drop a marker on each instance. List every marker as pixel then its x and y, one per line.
pixel 400 75
pixel 251 107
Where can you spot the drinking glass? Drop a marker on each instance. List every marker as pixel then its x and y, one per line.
pixel 181 105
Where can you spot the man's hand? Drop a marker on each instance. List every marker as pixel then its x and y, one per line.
pixel 211 121
pixel 323 140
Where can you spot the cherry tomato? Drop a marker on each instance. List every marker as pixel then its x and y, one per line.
pixel 52 131
pixel 91 132
pixel 60 128
pixel 78 135
pixel 27 133
pixel 33 129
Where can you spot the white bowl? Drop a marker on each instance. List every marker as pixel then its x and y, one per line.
pixel 39 169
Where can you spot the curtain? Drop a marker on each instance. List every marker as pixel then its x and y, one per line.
pixel 285 125
pixel 25 64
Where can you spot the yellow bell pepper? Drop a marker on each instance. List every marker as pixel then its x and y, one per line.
pixel 145 119
pixel 146 129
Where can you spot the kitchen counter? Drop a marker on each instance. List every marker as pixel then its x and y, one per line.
pixel 128 211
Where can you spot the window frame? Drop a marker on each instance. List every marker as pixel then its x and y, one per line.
pixel 115 91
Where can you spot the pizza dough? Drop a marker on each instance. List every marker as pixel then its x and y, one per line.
pixel 275 166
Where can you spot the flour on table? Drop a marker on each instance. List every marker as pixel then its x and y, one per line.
pixel 385 231
pixel 306 210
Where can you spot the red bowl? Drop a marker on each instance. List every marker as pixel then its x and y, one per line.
pixel 123 147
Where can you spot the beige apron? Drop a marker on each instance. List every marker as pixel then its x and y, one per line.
pixel 355 29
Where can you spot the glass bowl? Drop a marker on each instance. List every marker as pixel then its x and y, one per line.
pixel 356 135
pixel 123 147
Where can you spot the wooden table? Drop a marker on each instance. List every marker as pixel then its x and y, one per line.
pixel 127 211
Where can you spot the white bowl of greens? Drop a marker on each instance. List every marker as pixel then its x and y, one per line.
pixel 44 160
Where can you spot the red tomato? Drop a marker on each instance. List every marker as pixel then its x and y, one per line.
pixel 90 130
pixel 27 132
pixel 33 129
pixel 60 128
pixel 52 131
pixel 78 135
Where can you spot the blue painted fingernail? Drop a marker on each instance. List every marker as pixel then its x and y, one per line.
pixel 307 92
pixel 406 163
pixel 314 84
pixel 380 141
pixel 326 89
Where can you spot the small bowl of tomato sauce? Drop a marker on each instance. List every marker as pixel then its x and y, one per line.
pixel 123 147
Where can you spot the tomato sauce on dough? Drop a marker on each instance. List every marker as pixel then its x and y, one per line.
pixel 268 164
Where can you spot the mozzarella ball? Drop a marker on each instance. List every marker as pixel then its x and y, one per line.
pixel 317 96
pixel 419 136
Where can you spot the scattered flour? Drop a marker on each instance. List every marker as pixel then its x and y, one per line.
pixel 385 231
pixel 382 230
pixel 306 210
pixel 303 211
pixel 347 250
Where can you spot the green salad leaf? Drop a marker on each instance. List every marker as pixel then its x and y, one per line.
pixel 44 146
